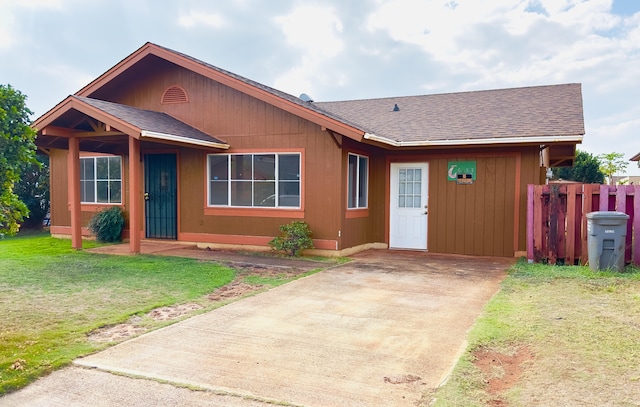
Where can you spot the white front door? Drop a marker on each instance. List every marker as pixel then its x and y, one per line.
pixel 408 213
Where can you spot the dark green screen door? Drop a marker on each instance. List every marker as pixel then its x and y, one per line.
pixel 160 183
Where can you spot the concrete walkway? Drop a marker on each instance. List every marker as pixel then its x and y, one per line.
pixel 377 331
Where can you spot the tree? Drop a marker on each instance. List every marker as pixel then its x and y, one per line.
pixel 33 190
pixel 585 169
pixel 17 148
pixel 612 163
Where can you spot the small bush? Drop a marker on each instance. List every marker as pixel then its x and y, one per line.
pixel 294 237
pixel 107 225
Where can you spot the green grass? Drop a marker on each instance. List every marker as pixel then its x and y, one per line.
pixel 52 296
pixel 582 327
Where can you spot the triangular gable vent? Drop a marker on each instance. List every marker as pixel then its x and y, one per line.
pixel 174 94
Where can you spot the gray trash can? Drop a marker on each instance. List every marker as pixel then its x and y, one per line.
pixel 607 233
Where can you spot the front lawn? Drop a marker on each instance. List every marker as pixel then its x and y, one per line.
pixel 553 336
pixel 52 296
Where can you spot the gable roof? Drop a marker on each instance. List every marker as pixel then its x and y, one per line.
pixel 540 115
pixel 635 157
pixel 133 121
pixel 252 88
pixel 155 125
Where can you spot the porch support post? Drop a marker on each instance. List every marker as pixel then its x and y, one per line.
pixel 135 207
pixel 73 175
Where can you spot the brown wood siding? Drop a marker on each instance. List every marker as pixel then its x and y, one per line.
pixel 58 179
pixel 477 219
pixel 369 229
pixel 248 125
pixel 472 219
pixel 321 158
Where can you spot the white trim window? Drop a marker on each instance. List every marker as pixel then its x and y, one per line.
pixel 358 181
pixel 101 179
pixel 264 180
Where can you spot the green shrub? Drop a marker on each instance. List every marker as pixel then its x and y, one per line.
pixel 294 237
pixel 107 225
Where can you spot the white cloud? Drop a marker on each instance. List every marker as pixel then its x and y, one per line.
pixel 196 18
pixel 63 75
pixel 511 43
pixel 314 33
pixel 9 25
pixel 313 28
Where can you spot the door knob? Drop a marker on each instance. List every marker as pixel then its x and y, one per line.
pixel 146 196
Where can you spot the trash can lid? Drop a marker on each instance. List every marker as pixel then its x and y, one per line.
pixel 607 215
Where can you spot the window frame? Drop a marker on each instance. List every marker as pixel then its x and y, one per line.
pixel 108 180
pixel 358 186
pixel 253 209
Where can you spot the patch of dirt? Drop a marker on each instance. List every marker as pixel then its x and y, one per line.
pixel 501 371
pixel 117 333
pixel 233 290
pixel 173 312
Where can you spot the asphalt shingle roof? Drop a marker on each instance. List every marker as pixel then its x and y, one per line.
pixel 554 110
pixel 149 120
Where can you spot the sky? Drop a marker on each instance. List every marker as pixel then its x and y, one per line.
pixel 347 49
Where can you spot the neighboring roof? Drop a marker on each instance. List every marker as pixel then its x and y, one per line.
pixel 635 157
pixel 157 125
pixel 539 114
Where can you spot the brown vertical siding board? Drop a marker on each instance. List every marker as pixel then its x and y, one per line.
pixel 489 206
pixel 479 209
pixel 500 207
pixel 519 201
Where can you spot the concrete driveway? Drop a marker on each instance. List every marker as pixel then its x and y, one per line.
pixel 377 331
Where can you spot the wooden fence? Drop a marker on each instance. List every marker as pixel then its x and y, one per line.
pixel 557 225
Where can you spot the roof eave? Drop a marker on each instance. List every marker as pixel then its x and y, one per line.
pixel 182 140
pixel 73 103
pixel 479 141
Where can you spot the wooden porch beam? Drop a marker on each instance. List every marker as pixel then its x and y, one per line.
pixel 73 176
pixel 135 202
pixel 101 133
pixel 57 131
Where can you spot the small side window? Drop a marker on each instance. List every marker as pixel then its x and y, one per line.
pixel 358 182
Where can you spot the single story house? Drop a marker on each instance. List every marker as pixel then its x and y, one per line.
pixel 194 153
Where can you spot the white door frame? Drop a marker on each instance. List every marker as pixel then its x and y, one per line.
pixel 408 211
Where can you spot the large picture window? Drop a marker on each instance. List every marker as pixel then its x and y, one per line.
pixel 101 179
pixel 358 181
pixel 270 180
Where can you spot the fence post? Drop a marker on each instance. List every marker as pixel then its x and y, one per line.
pixel 604 198
pixel 530 188
pixel 636 225
pixel 554 211
pixel 571 224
